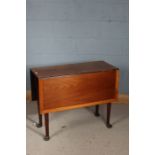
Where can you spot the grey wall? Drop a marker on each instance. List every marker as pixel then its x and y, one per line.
pixel 68 31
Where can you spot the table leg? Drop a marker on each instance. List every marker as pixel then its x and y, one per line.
pixel 108 115
pixel 97 111
pixel 40 117
pixel 46 138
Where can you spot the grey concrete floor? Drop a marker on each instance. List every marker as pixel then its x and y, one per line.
pixel 79 132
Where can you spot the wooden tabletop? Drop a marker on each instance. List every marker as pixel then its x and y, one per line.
pixel 71 69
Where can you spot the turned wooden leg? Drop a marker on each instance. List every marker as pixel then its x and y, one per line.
pixel 46 127
pixel 40 118
pixel 108 115
pixel 97 111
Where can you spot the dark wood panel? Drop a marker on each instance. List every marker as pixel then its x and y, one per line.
pixel 77 89
pixel 72 69
pixel 34 86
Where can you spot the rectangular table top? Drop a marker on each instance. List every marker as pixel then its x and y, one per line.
pixel 72 69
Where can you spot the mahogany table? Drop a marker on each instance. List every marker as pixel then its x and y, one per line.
pixel 70 86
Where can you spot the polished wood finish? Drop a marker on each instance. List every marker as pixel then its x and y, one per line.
pixel 73 86
pixel 47 137
pixel 76 90
pixel 39 116
pixel 72 69
pixel 80 106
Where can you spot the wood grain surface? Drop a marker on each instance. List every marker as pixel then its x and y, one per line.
pixel 72 69
pixel 77 90
pixel 74 85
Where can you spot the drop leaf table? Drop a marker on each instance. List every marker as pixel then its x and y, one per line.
pixel 64 87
